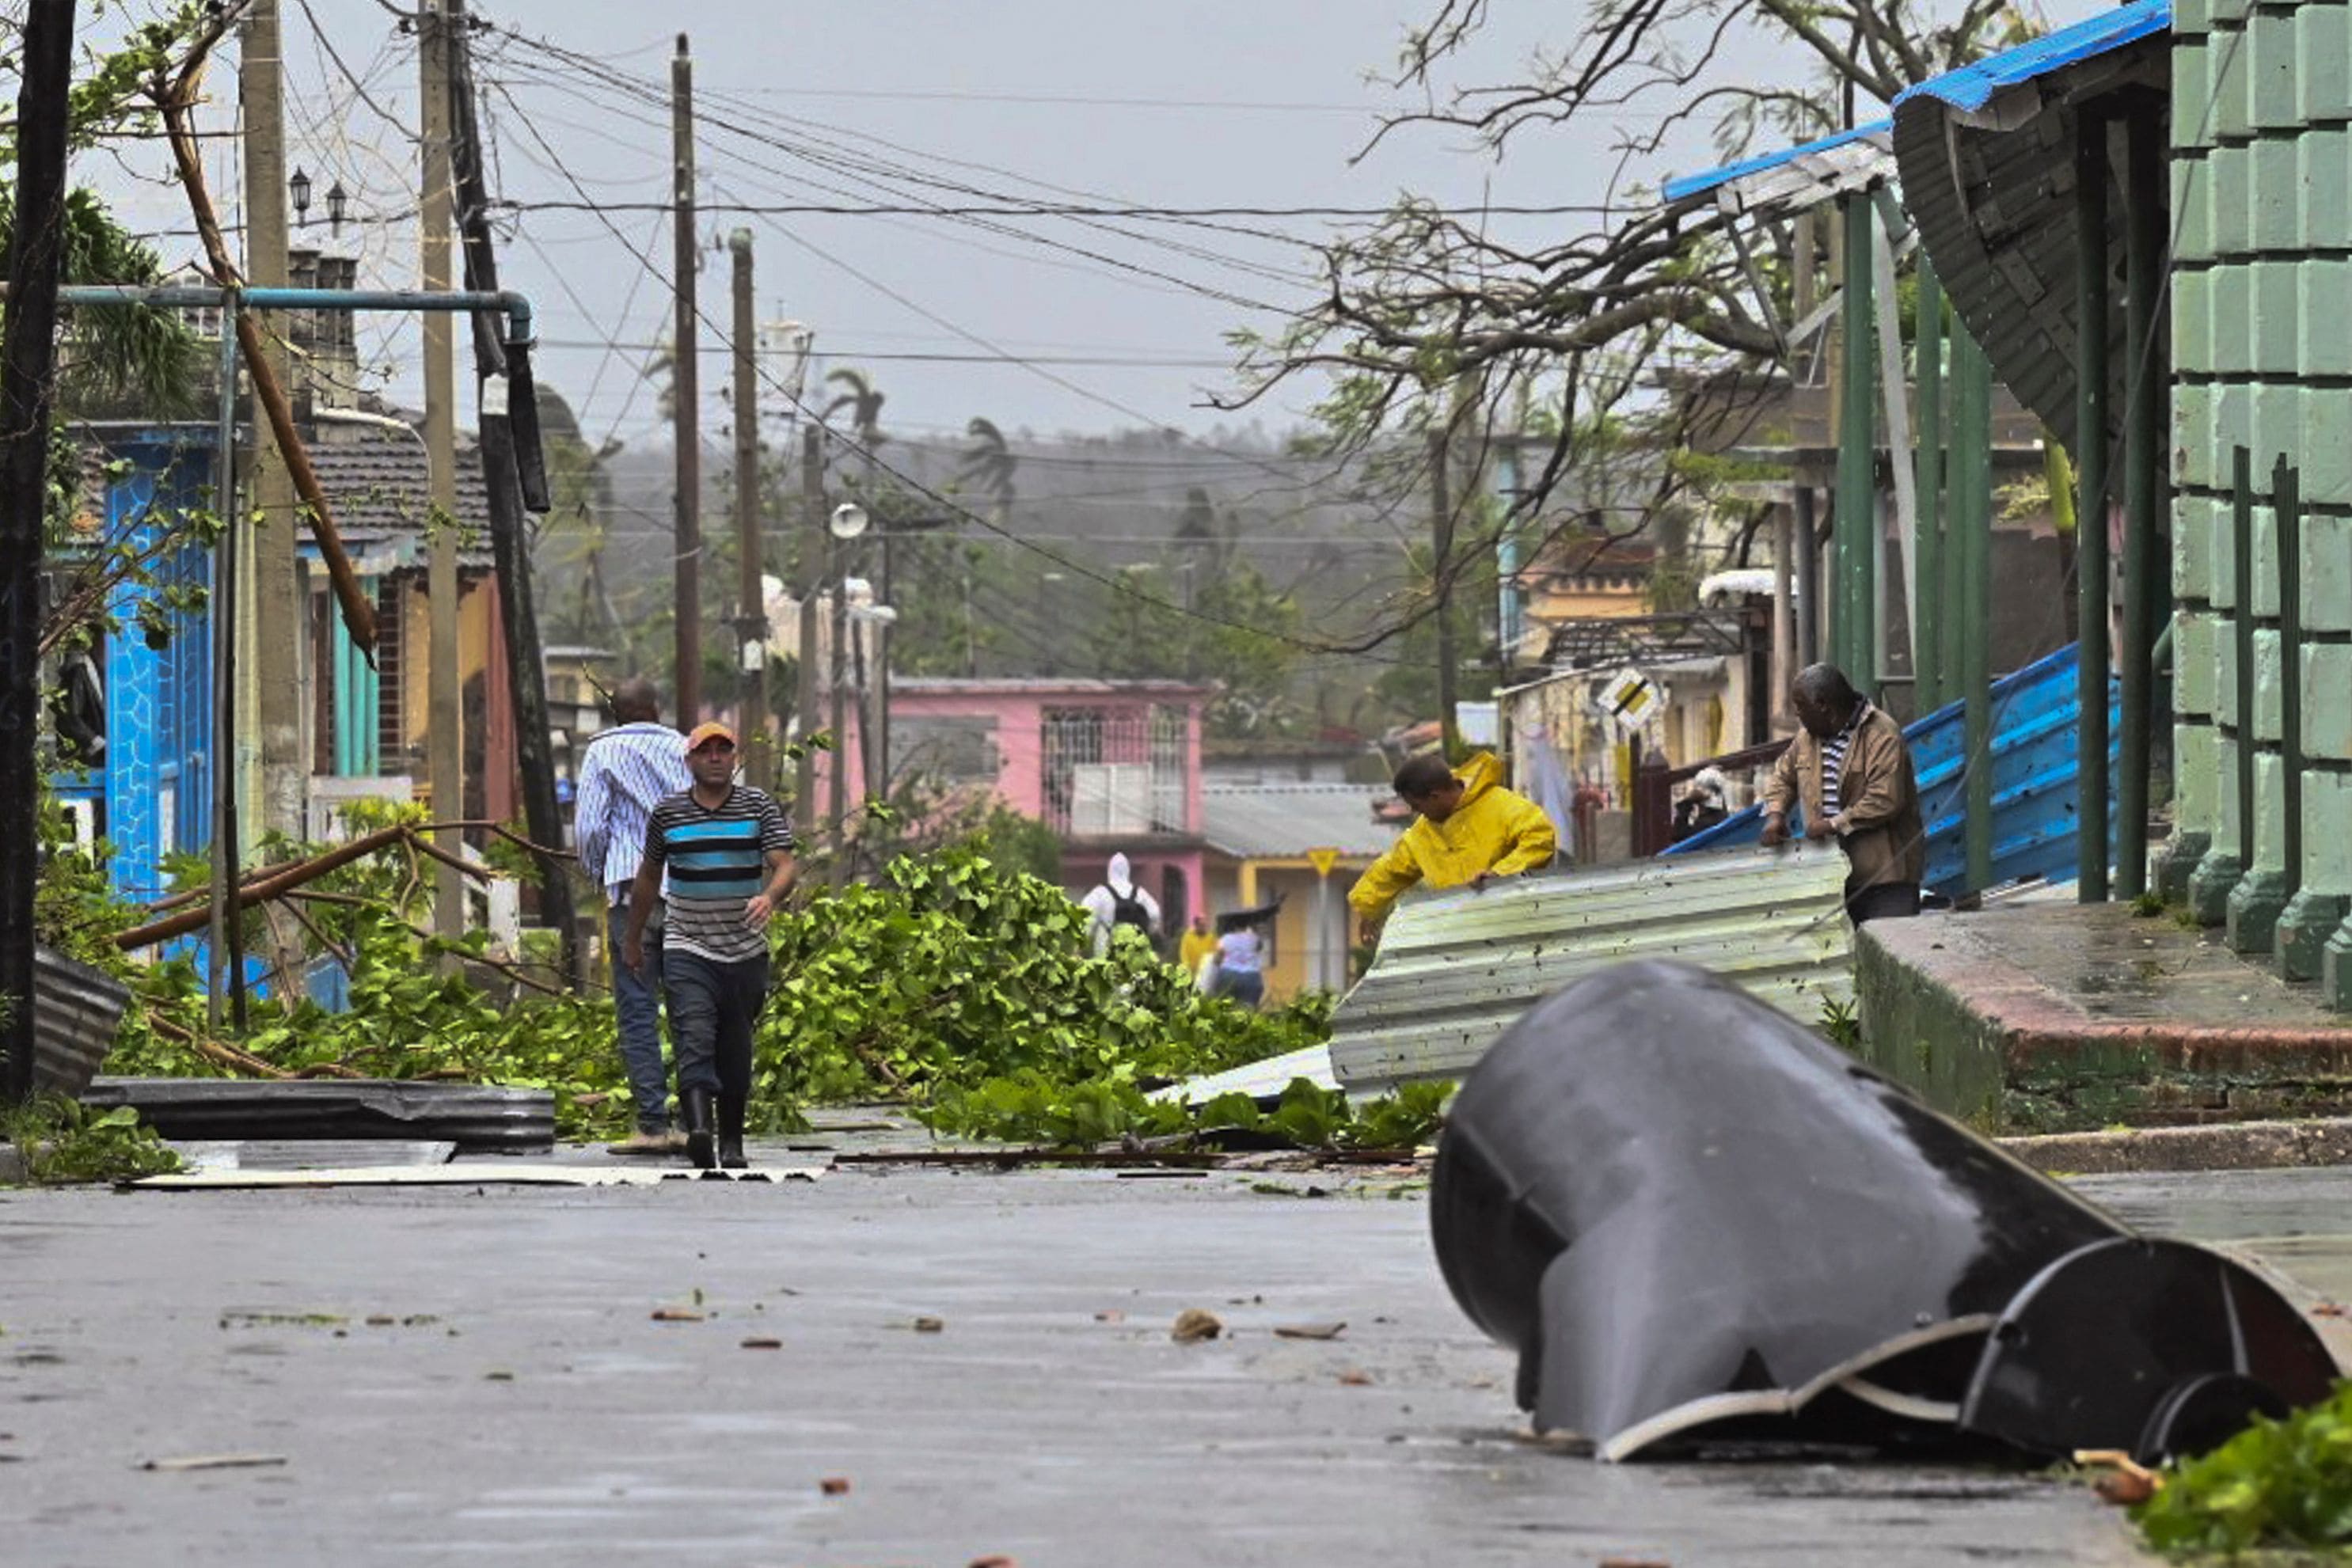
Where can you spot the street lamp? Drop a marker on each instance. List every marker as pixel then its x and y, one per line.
pixel 848 522
pixel 299 185
pixel 338 205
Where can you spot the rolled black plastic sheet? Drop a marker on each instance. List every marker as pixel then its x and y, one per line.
pixel 1696 1220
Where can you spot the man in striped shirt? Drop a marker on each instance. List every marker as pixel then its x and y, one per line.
pixel 624 773
pixel 1850 771
pixel 728 852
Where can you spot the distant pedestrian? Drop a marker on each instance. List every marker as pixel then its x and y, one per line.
pixel 1851 769
pixel 1197 943
pixel 1116 901
pixel 1702 804
pixel 1240 967
pixel 624 773
pixel 727 850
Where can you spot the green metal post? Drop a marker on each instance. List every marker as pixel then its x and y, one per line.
pixel 2143 404
pixel 1927 670
pixel 2091 500
pixel 1857 493
pixel 1971 520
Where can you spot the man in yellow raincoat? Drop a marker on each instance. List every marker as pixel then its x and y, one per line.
pixel 1471 830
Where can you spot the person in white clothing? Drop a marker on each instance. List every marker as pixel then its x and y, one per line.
pixel 1117 901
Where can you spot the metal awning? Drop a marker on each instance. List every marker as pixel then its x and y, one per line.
pixel 1797 177
pixel 1986 159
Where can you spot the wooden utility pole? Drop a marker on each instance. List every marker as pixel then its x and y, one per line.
pixel 750 587
pixel 275 582
pixel 502 382
pixel 445 715
pixel 811 578
pixel 687 396
pixel 29 340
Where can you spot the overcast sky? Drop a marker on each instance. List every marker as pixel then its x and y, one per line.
pixel 1227 103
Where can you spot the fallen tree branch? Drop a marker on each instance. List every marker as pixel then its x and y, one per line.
pixel 174 94
pixel 216 1051
pixel 192 920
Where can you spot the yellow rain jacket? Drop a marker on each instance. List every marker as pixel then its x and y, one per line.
pixel 1493 829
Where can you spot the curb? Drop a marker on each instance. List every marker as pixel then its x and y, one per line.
pixel 2219 1147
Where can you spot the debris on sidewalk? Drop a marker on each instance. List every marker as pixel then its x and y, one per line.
pixel 1310 1330
pixel 1193 1325
pixel 1630 1177
pixel 216 1462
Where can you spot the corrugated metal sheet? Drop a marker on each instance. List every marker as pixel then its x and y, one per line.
pixel 1989 181
pixel 1974 86
pixel 1806 174
pixel 2036 792
pixel 1259 1079
pixel 477 1118
pixel 1260 821
pixel 77 1010
pixel 1457 968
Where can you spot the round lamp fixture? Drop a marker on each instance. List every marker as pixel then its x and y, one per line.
pixel 848 520
pixel 299 186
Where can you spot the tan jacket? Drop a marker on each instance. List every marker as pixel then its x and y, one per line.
pixel 1878 814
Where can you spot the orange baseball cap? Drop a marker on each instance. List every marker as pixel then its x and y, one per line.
pixel 705 733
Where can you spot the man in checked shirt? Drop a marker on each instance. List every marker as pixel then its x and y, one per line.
pixel 1851 769
pixel 624 773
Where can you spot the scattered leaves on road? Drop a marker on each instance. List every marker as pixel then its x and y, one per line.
pixel 761 1341
pixel 1356 1377
pixel 834 1486
pixel 676 1315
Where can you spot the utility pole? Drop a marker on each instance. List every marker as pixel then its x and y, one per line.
pixel 505 395
pixel 28 339
pixel 1441 518
pixel 278 598
pixel 750 591
pixel 811 576
pixel 686 395
pixel 445 716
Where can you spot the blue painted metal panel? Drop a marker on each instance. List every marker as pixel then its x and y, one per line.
pixel 1689 185
pixel 1974 86
pixel 158 700
pixel 2035 792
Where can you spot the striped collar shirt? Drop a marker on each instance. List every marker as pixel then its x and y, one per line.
pixel 624 775
pixel 1833 752
pixel 716 858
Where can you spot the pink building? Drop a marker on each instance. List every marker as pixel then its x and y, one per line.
pixel 1112 766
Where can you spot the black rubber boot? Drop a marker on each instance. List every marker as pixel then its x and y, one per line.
pixel 699 1129
pixel 731 1134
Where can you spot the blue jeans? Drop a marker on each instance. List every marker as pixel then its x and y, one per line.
pixel 636 999
pixel 1246 986
pixel 713 1008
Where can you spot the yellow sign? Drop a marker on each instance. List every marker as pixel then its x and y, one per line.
pixel 1324 861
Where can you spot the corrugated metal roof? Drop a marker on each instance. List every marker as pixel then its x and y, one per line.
pixel 1812 172
pixel 1262 821
pixel 1972 87
pixel 1264 1080
pixel 1457 968
pixel 1992 195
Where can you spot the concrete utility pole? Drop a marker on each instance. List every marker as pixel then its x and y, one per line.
pixel 1441 522
pixel 445 716
pixel 278 598
pixel 815 540
pixel 687 392
pixel 29 340
pixel 509 421
pixel 750 591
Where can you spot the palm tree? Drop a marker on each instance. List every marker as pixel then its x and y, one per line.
pixel 989 466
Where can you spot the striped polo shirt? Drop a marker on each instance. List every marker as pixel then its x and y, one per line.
pixel 716 858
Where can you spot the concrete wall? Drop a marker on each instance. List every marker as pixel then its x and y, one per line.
pixel 2261 345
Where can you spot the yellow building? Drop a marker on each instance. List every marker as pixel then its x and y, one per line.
pixel 1298 848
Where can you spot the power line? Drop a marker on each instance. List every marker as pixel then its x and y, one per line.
pixel 1041 210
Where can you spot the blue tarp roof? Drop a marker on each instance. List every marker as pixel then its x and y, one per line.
pixel 1973 87
pixel 1690 185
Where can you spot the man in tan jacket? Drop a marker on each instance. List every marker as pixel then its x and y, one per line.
pixel 1850 770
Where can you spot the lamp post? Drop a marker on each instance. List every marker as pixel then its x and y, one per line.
pixel 299 187
pixel 339 203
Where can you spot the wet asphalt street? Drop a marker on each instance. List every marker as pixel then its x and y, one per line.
pixel 476 1376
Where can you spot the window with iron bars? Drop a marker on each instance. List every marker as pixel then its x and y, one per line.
pixel 1116 772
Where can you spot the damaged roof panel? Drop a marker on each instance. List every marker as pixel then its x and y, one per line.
pixel 1457 968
